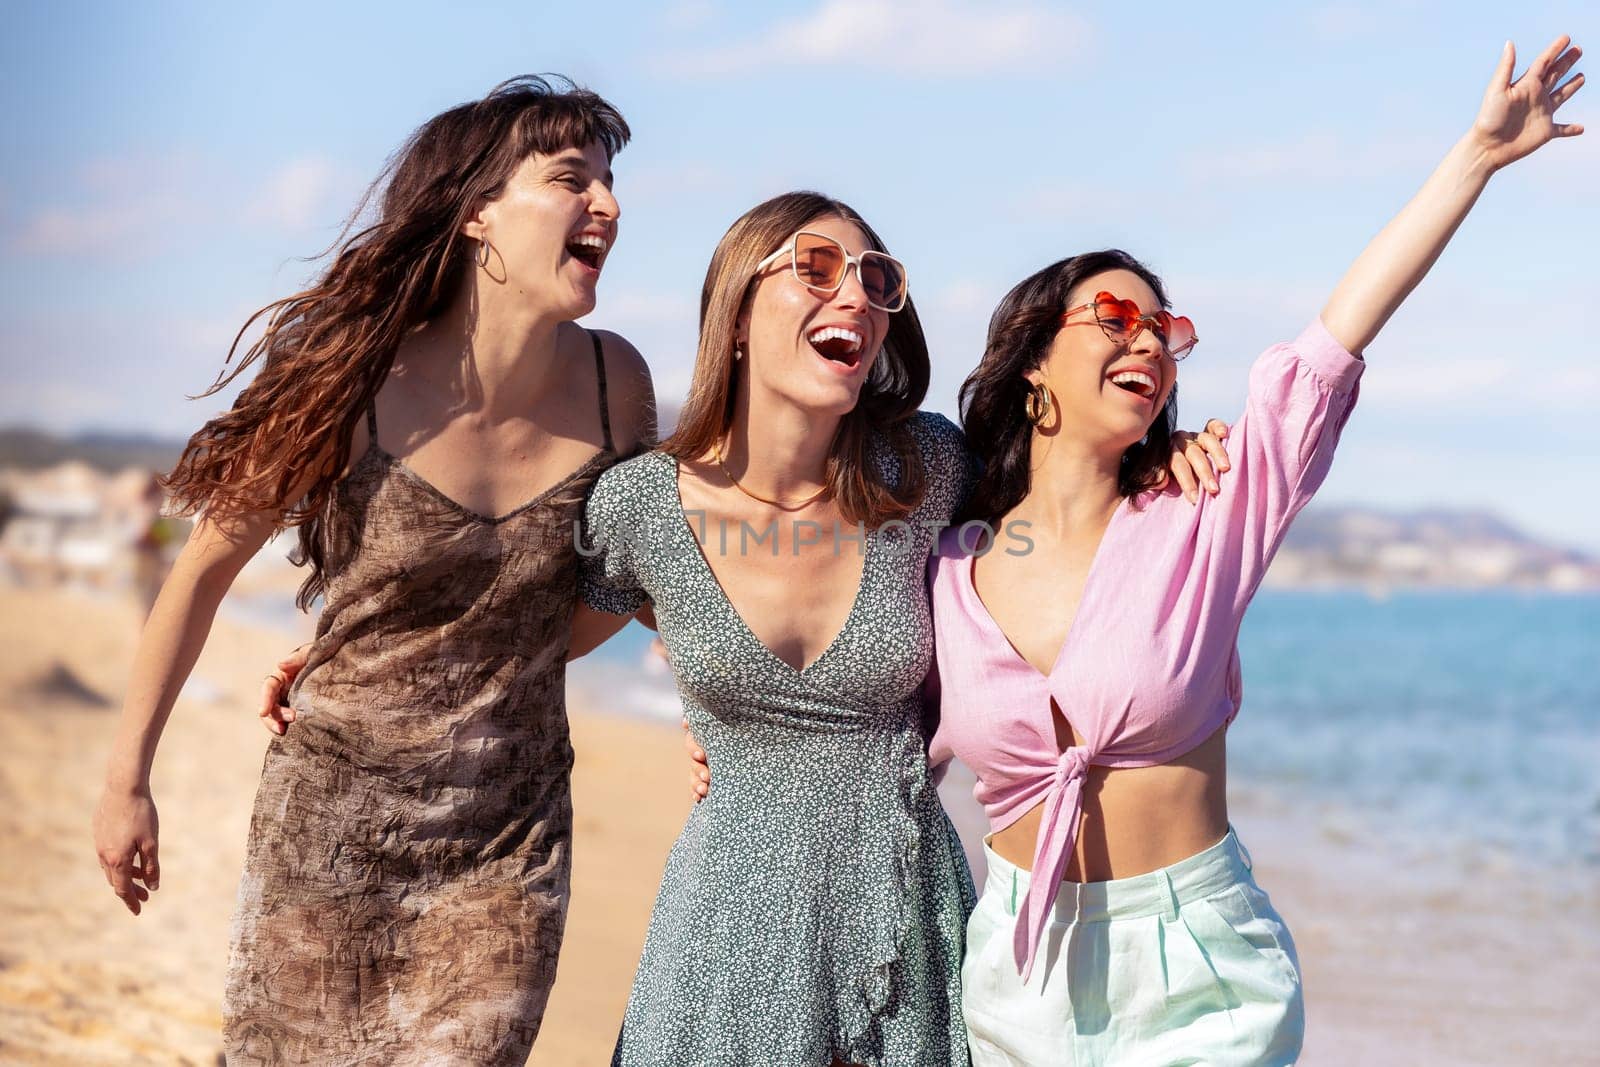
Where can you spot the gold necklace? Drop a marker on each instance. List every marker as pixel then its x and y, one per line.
pixel 812 499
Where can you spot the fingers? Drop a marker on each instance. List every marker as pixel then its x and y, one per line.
pixel 118 869
pixel 1563 94
pixel 270 687
pixel 275 715
pixel 1559 68
pixel 149 865
pixel 1542 64
pixel 1217 428
pixel 1570 129
pixel 1504 69
pixel 291 664
pixel 1200 460
pixel 1215 451
pixel 1182 471
pixel 700 774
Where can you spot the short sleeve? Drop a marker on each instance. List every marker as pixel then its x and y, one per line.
pixel 948 465
pixel 607 545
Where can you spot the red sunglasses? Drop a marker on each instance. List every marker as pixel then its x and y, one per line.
pixel 1122 320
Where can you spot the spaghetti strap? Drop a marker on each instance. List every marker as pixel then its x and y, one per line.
pixel 600 374
pixel 372 421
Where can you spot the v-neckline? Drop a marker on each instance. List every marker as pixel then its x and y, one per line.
pixel 727 602
pixel 428 487
pixel 969 577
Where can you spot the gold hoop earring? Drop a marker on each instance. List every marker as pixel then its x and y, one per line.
pixel 1036 405
pixel 484 248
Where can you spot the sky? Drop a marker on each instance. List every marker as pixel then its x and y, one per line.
pixel 169 167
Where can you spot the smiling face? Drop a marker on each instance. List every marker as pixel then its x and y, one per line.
pixel 551 228
pixel 812 349
pixel 1108 393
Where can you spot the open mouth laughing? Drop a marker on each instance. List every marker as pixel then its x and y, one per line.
pixel 840 345
pixel 588 249
pixel 1141 383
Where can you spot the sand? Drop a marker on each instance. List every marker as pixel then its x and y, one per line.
pixel 1402 965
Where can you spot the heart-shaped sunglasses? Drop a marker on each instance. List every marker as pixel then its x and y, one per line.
pixel 1121 320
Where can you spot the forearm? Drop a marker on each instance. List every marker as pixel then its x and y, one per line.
pixel 591 629
pixel 1405 250
pixel 173 637
pixel 174 634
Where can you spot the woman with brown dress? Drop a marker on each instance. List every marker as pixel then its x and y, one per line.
pixel 431 418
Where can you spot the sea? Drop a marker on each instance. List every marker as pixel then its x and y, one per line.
pixel 1465 724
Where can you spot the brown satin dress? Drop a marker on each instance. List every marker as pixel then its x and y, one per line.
pixel 405 887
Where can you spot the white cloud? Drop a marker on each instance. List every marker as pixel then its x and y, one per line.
pixel 108 370
pixel 303 193
pixel 941 37
pixel 130 229
pixel 133 208
pixel 118 208
pixel 1456 349
pixel 1317 156
pixel 653 184
pixel 663 326
pixel 969 298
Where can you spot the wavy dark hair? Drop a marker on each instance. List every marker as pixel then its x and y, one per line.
pixel 994 394
pixel 325 351
pixel 890 396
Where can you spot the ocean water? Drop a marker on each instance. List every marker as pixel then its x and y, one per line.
pixel 1467 724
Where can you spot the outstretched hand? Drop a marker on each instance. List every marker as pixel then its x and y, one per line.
pixel 1518 116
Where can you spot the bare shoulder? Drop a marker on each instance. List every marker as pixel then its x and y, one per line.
pixel 630 393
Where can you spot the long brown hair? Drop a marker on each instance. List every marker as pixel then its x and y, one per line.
pixel 993 396
pixel 891 395
pixel 326 350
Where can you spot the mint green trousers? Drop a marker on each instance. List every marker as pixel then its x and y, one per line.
pixel 1186 965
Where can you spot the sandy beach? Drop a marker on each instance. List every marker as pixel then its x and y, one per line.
pixel 1403 962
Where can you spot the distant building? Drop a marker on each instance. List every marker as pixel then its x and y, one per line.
pixel 73 524
pixel 1362 548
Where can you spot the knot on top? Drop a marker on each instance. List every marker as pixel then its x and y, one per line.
pixel 1072 764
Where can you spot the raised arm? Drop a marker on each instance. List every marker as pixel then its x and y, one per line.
pixel 1516 118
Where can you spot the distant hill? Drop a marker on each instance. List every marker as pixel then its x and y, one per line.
pixel 29 449
pixel 1432 547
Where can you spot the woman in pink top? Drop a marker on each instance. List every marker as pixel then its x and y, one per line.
pixel 1086 661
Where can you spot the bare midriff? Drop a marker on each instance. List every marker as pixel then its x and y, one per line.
pixel 1137 819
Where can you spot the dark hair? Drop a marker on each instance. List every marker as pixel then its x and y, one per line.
pixel 890 396
pixel 994 394
pixel 326 350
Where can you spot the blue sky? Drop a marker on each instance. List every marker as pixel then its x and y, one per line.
pixel 168 164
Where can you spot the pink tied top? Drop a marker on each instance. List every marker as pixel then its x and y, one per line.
pixel 1150 666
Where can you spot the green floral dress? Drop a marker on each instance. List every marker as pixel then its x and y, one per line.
pixel 814 905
